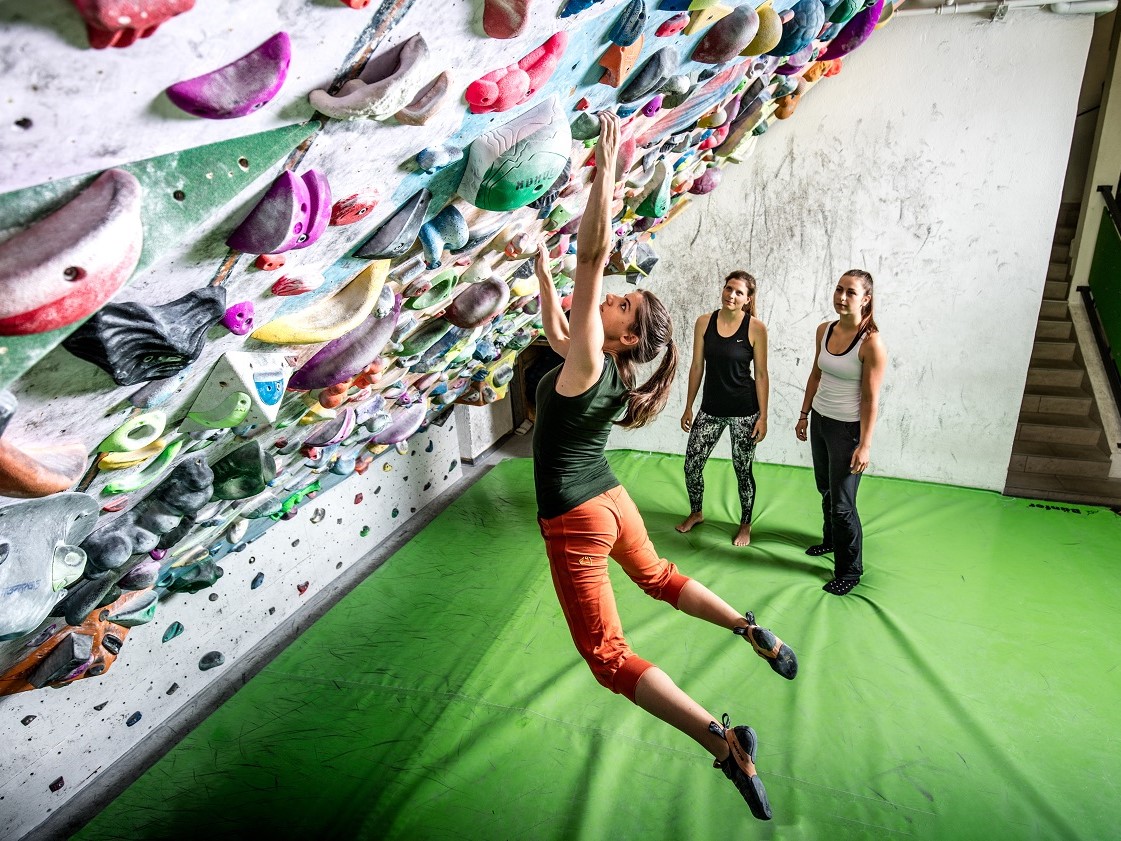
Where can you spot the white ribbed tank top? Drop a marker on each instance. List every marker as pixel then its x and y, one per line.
pixel 838 392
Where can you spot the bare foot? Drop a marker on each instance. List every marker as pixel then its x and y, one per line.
pixel 690 521
pixel 743 536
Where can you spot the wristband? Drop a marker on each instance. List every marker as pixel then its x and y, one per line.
pixel 805 414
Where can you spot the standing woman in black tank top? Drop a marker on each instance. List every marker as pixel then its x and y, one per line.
pixel 725 344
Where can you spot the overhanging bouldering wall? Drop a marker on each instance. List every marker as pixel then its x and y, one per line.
pixel 253 254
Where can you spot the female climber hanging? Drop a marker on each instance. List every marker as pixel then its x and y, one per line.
pixel 586 516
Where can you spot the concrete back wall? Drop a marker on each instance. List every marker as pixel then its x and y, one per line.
pixel 935 160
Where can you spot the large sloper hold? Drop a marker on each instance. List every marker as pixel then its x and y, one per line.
pixel 181 191
pixel 800 30
pixel 121 23
pixel 332 316
pixel 478 303
pixel 397 234
pixel 653 74
pixel 347 356
pixel 618 61
pixel 505 18
pixel 35 471
pixel 387 83
pixel 135 343
pixel 244 472
pixel 293 213
pixel 506 87
pixel 855 32
pixel 239 378
pixel 63 268
pixel 405 421
pixel 239 88
pixel 40 557
pixel 768 34
pixel 728 37
pixel 511 165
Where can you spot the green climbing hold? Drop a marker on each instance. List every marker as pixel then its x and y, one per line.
pixel 173 630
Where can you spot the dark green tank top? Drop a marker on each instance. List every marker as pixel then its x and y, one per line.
pixel 569 437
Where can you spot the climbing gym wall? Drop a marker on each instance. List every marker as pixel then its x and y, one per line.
pixel 253 255
pixel 907 164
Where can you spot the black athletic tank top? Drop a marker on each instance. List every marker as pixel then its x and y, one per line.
pixel 569 437
pixel 729 388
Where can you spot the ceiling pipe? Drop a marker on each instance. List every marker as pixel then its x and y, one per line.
pixel 999 9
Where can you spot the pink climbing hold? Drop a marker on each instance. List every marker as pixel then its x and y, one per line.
pixel 349 210
pixel 505 18
pixel 67 265
pixel 356 4
pixel 673 26
pixel 358 499
pixel 502 89
pixel 302 588
pixel 269 262
pixel 110 23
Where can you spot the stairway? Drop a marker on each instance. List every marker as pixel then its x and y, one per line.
pixel 1060 452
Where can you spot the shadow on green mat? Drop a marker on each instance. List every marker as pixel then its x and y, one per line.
pixel 967 689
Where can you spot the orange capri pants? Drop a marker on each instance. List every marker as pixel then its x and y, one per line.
pixel 578 544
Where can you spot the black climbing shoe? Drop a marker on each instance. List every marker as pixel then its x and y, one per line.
pixel 739 767
pixel 779 656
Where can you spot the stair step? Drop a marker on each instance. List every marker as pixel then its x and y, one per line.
pixel 1055 372
pixel 1060 253
pixel 1047 350
pixel 1058 429
pixel 1064 234
pixel 1077 403
pixel 1084 491
pixel 1055 290
pixel 1056 310
pixel 1059 459
pixel 1056 329
pixel 1057 271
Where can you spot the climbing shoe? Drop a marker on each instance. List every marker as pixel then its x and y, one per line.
pixel 739 766
pixel 778 654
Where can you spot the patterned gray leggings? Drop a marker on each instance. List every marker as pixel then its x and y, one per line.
pixel 703 435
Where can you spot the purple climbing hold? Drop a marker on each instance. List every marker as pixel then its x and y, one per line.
pixel 239 88
pixel 239 318
pixel 653 106
pixel 855 33
pixel 290 215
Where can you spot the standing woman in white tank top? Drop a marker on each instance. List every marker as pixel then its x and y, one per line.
pixel 840 407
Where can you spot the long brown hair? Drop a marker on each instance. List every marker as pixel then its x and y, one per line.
pixel 749 282
pixel 654 329
pixel 867 319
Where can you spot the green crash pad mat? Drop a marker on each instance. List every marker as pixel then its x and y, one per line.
pixel 967 689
